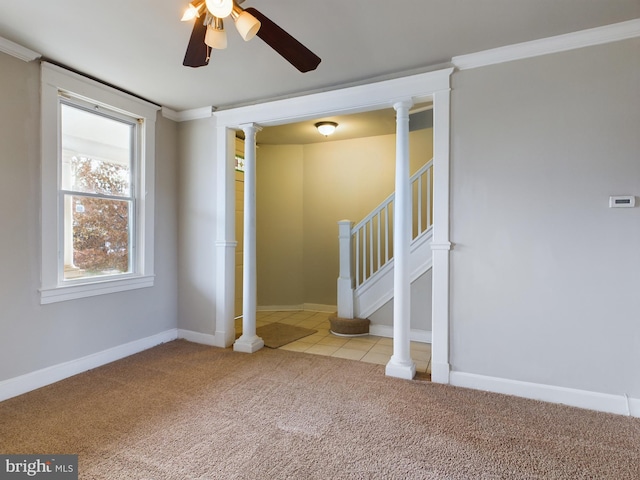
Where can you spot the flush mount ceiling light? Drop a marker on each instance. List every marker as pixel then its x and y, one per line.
pixel 326 128
pixel 208 33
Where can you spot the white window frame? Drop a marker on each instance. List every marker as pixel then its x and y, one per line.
pixel 56 81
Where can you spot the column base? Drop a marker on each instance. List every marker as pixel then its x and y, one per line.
pixel 246 344
pixel 400 369
pixel 440 372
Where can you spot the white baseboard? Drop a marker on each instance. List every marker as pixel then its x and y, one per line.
pixel 317 307
pixel 197 337
pixel 634 407
pixel 415 335
pixel 46 376
pixel 309 307
pixel 603 402
pixel 279 308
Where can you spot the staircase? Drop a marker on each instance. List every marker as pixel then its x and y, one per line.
pixel 365 283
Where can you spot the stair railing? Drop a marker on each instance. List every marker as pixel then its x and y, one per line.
pixel 368 246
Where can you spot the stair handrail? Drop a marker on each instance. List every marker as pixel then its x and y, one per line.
pixel 362 255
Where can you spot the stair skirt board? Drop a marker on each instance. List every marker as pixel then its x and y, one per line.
pixel 378 289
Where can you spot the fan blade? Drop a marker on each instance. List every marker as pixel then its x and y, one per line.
pixel 291 49
pixel 197 54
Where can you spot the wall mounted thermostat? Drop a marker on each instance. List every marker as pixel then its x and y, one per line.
pixel 622 201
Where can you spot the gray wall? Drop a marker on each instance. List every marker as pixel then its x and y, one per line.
pixel 34 336
pixel 545 278
pixel 197 226
pixel 420 305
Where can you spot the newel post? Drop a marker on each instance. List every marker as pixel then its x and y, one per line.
pixel 345 279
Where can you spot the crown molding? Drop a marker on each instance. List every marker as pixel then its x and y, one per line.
pixel 170 114
pixel 17 51
pixel 545 46
pixel 186 115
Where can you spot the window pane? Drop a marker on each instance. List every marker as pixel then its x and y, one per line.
pixel 96 236
pixel 95 176
pixel 96 152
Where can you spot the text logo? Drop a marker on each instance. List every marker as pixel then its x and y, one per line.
pixel 49 467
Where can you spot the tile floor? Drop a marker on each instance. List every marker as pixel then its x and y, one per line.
pixel 367 348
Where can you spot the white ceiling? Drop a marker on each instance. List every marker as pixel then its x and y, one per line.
pixel 139 45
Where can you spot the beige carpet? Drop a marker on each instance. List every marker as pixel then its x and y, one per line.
pixel 186 411
pixel 277 334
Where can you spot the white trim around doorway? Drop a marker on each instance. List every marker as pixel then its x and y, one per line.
pixel 431 86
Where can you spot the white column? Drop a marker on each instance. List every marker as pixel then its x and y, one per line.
pixel 249 342
pixel 345 278
pixel 400 365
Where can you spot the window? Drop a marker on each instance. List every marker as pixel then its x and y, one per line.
pixel 97 188
pixel 98 151
pixel 239 163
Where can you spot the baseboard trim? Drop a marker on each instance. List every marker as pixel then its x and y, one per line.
pixel 318 307
pixel 309 307
pixel 634 407
pixel 280 308
pixel 415 335
pixel 202 338
pixel 46 376
pixel 602 402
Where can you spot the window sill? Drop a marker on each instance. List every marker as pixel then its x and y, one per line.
pixel 72 292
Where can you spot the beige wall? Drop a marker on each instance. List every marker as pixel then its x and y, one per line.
pixel 279 223
pixel 302 192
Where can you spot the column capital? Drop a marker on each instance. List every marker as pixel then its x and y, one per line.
pixel 249 128
pixel 403 104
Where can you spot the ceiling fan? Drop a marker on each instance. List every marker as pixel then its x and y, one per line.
pixel 208 33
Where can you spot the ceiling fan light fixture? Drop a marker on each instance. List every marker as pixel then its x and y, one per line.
pixel 194 10
pixel 246 24
pixel 220 8
pixel 326 128
pixel 216 37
